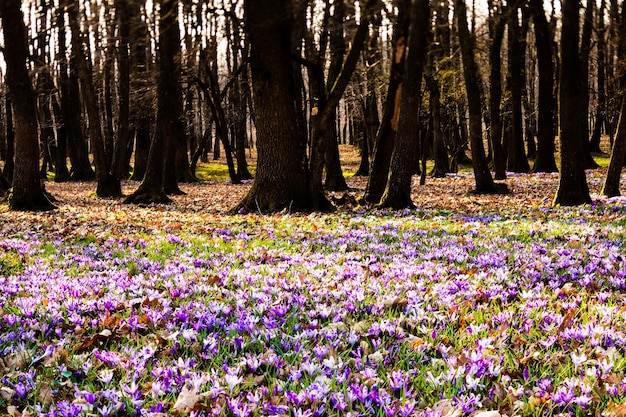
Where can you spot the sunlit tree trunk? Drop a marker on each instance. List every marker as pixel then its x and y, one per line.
pixel 398 192
pixel 27 192
pixel 385 140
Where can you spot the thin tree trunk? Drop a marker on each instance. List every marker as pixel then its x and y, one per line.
pixel 108 186
pixel 496 34
pixel 545 161
pixel 482 176
pixel 517 161
pixel 583 74
pixel 594 145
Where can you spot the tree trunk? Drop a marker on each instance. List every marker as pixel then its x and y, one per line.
pixel 545 161
pixel 9 165
pixel 281 181
pixel 482 176
pixel 383 149
pixel 497 24
pixel 108 186
pixel 583 75
pixel 27 192
pixel 573 189
pixel 81 169
pixel 618 155
pixel 141 86
pixel 161 162
pixel 398 192
pixel 517 161
pixel 120 166
pixel 618 152
pixel 335 180
pixel 441 163
pixel 594 145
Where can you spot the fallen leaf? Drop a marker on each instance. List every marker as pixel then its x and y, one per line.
pixel 614 410
pixel 187 400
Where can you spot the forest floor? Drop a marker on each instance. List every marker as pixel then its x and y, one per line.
pixel 484 306
pixel 214 195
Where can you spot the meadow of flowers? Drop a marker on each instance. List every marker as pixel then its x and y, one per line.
pixel 427 313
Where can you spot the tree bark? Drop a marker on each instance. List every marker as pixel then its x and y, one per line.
pixel 618 151
pixel 583 75
pixel 618 155
pixel 573 189
pixel 108 185
pixel 601 119
pixel 27 192
pixel 517 161
pixel 121 152
pixel 282 177
pixel 383 149
pixel 497 24
pixel 9 165
pixel 482 175
pixel 398 192
pixel 545 161
pixel 161 168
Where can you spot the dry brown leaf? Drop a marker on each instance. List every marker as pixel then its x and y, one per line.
pixel 187 400
pixel 614 410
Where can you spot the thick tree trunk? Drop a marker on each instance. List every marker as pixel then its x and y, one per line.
pixel 482 175
pixel 282 178
pixel 27 192
pixel 398 192
pixel 545 161
pixel 573 189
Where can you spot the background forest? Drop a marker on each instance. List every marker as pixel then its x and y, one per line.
pixel 111 90
pixel 505 301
